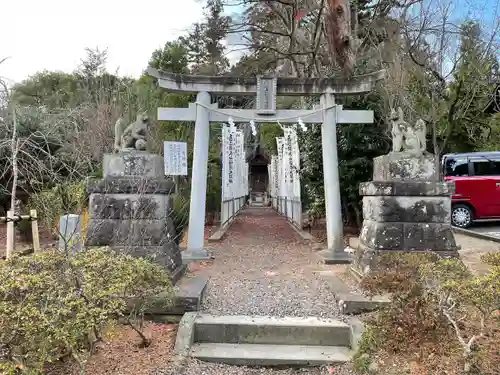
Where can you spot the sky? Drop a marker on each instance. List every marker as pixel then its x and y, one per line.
pixel 53 34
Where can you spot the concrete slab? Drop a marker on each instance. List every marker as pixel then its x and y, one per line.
pixel 271 330
pixel 268 320
pixel 356 303
pixel 306 236
pixel 185 334
pixel 189 294
pixel 352 302
pixel 357 329
pixel 335 257
pixel 270 355
pixel 195 255
pixel 220 233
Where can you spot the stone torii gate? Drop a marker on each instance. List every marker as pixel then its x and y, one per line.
pixel 266 89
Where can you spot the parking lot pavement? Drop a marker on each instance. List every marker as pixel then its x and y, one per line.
pixel 488 228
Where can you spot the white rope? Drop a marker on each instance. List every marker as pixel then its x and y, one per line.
pixel 271 119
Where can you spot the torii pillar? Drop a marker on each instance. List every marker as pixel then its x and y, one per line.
pixel 266 89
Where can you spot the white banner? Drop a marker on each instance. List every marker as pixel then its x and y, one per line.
pixel 228 175
pixel 281 167
pixel 247 170
pixel 275 176
pixel 175 158
pixel 239 160
pixel 288 163
pixel 234 171
pixel 296 165
pixel 270 178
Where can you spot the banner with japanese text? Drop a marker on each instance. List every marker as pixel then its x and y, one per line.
pixel 228 163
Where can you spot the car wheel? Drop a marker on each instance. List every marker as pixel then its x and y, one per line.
pixel 461 216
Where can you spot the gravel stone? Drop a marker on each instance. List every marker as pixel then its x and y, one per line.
pixel 262 268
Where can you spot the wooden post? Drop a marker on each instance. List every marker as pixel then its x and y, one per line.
pixel 34 231
pixel 11 234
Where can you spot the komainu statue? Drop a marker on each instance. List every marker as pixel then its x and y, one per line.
pixel 405 137
pixel 132 136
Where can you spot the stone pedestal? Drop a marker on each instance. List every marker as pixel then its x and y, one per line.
pixel 130 209
pixel 405 209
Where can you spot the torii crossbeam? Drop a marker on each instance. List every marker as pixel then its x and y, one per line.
pixel 266 89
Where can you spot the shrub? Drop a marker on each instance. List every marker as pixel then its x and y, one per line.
pixel 412 318
pixel 60 200
pixel 23 227
pixel 53 305
pixel 434 300
pixel 461 296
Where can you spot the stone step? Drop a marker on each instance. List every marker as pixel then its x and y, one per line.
pixel 271 330
pixel 270 355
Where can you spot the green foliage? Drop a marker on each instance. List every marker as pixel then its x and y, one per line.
pixel 24 229
pixel 180 214
pixel 214 187
pixel 268 135
pixel 53 305
pixel 457 107
pixel 172 58
pixel 368 344
pixel 60 200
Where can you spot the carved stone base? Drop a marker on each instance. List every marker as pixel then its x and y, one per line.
pixel 133 163
pixel 130 210
pixel 406 216
pixel 397 166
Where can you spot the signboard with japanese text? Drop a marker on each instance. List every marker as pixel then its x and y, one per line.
pixel 176 158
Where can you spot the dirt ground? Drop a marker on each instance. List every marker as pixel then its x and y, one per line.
pixel 120 353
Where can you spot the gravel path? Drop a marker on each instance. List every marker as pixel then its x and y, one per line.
pixel 262 268
pixel 195 367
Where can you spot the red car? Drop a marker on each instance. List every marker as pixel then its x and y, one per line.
pixel 477 181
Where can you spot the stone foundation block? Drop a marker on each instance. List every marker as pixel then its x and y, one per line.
pixel 141 232
pixel 130 206
pixel 166 255
pixel 399 166
pixel 133 163
pixel 130 185
pixel 382 235
pixel 407 236
pixel 407 209
pixel 407 188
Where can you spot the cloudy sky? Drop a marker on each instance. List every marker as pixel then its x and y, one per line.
pixel 52 34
